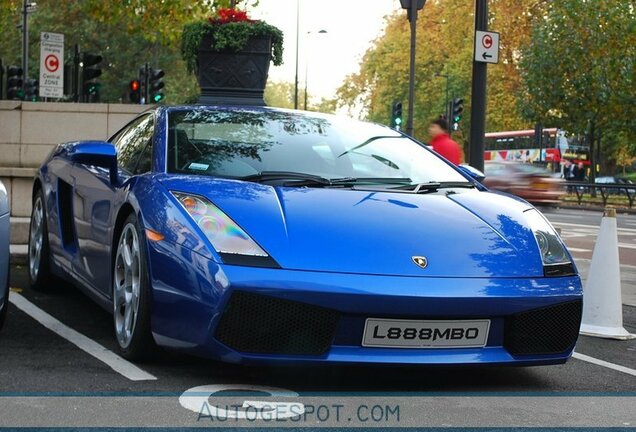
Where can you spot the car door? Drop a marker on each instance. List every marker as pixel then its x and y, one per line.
pixel 97 200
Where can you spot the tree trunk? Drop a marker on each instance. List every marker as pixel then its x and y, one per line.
pixel 592 138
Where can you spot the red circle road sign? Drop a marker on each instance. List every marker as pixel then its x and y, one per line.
pixel 51 63
pixel 486 41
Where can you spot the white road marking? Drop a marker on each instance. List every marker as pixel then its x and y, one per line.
pixel 117 363
pixel 572 249
pixel 198 399
pixel 623 266
pixel 594 227
pixel 604 363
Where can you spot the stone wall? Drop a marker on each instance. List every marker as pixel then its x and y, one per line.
pixel 28 132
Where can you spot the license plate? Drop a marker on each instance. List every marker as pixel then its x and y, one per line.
pixel 425 334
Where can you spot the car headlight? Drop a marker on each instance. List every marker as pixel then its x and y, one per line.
pixel 232 243
pixel 555 258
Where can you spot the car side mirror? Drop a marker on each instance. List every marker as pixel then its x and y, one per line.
pixel 472 172
pixel 98 153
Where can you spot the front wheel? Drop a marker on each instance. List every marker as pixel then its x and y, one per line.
pixel 40 276
pixel 3 311
pixel 131 294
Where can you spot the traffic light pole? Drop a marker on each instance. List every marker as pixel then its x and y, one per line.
pixel 146 94
pixel 478 98
pixel 76 74
pixel 413 20
pixel 25 44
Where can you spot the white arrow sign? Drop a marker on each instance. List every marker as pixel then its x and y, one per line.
pixel 486 47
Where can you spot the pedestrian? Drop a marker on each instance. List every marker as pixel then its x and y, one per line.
pixel 442 142
pixel 568 170
pixel 580 172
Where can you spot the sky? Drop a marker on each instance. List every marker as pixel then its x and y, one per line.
pixel 351 27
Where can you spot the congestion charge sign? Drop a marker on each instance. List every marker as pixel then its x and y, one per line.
pixel 51 60
pixel 486 47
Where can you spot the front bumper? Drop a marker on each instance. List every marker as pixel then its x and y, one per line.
pixel 192 315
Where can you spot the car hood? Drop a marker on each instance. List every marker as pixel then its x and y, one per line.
pixel 461 233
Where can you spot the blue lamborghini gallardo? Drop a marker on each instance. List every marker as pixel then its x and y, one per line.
pixel 260 235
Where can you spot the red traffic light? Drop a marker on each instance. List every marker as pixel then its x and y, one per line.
pixel 134 85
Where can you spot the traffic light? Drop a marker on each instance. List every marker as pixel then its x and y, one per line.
pixel 143 84
pixel 90 72
pixel 31 87
pixel 155 84
pixel 456 112
pixel 135 91
pixel 396 115
pixel 14 83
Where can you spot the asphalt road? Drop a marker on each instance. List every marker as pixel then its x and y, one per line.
pixel 35 362
pixel 579 229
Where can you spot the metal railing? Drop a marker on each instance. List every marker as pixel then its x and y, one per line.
pixel 605 190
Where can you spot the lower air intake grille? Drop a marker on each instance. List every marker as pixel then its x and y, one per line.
pixel 548 330
pixel 254 323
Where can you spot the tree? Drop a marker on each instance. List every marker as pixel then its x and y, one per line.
pixel 579 70
pixel 281 95
pixel 127 34
pixel 444 47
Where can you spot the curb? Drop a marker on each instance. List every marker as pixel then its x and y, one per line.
pixel 18 254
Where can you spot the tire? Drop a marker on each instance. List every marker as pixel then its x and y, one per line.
pixel 131 294
pixel 3 312
pixel 40 277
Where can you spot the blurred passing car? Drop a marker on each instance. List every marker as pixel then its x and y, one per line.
pixel 532 183
pixel 4 253
pixel 610 180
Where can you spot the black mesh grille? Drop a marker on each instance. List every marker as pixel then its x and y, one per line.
pixel 254 323
pixel 548 330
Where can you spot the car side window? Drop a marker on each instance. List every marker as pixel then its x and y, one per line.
pixel 134 143
pixel 144 164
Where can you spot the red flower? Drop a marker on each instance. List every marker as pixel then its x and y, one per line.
pixel 224 16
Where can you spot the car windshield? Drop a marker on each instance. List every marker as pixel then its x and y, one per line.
pixel 248 143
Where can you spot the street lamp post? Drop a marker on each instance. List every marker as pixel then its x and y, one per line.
pixel 297 42
pixel 412 6
pixel 307 67
pixel 27 8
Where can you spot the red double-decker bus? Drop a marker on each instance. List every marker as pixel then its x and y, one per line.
pixel 521 146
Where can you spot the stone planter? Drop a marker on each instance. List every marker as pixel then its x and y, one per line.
pixel 234 78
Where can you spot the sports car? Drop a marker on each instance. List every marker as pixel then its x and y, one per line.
pixel 4 253
pixel 262 235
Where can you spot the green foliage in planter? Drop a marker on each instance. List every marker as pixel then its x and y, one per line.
pixel 232 36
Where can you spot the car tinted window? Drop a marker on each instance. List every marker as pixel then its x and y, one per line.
pixel 144 164
pixel 243 142
pixel 132 143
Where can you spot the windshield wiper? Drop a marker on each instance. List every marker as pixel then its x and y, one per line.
pixel 367 142
pixel 433 186
pixel 267 176
pixel 291 178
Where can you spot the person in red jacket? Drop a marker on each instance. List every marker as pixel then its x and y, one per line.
pixel 442 142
